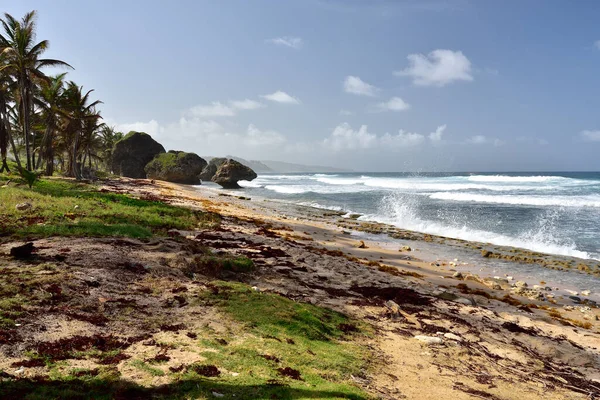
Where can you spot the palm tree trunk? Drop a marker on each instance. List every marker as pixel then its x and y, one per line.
pixel 25 111
pixel 76 172
pixel 47 150
pixel 14 149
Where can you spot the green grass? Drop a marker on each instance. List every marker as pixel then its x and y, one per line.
pixel 300 336
pixel 143 366
pixel 212 265
pixel 67 208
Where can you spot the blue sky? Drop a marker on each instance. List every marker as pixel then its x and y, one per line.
pixel 367 85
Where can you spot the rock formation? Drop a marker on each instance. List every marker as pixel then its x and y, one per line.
pixel 133 152
pixel 176 166
pixel 230 172
pixel 211 169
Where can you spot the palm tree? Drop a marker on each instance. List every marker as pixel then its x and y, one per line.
pixel 23 62
pixel 51 99
pixel 80 113
pixel 109 137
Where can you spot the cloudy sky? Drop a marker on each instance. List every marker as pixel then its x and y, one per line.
pixel 368 85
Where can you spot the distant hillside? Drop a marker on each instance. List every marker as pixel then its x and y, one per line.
pixel 268 166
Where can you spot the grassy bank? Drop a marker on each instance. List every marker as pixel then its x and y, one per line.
pixel 68 208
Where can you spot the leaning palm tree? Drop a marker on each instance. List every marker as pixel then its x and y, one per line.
pixel 79 114
pixel 23 62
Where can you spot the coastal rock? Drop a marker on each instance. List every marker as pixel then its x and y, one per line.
pixel 429 339
pixel 176 166
pixel 452 336
pixel 230 172
pixel 521 284
pixel 586 292
pixel 457 275
pixel 446 296
pixel 23 206
pixel 23 251
pixel 532 294
pixel 465 301
pixel 211 169
pixel 132 153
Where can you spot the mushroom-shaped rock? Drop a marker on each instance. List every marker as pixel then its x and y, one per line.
pixel 133 152
pixel 211 169
pixel 230 172
pixel 176 166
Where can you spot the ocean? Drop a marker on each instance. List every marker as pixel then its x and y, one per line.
pixel 550 212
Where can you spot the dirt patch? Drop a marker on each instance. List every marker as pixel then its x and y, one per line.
pixel 290 373
pixel 205 370
pixel 514 328
pixel 399 295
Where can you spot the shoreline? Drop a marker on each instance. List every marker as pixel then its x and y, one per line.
pixel 518 261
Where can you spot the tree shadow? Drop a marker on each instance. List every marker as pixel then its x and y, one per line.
pixel 119 389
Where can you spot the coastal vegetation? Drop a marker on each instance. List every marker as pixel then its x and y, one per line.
pixel 47 122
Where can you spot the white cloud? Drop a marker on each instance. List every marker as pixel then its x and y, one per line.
pixel 256 137
pixel 345 112
pixel 215 109
pixel 402 139
pixel 597 44
pixel 281 97
pixel 591 136
pixel 209 137
pixel 478 139
pixel 436 136
pixel 218 109
pixel 355 85
pixel 246 104
pixel 481 139
pixel 393 104
pixel 344 137
pixel 438 68
pixel 287 41
pixel 152 127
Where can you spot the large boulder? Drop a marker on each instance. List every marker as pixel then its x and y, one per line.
pixel 176 166
pixel 133 152
pixel 230 172
pixel 211 169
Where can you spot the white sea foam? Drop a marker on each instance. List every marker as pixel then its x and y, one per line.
pixel 562 201
pixel 248 184
pixel 287 189
pixel 427 185
pixel 321 206
pixel 506 178
pixel 400 211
